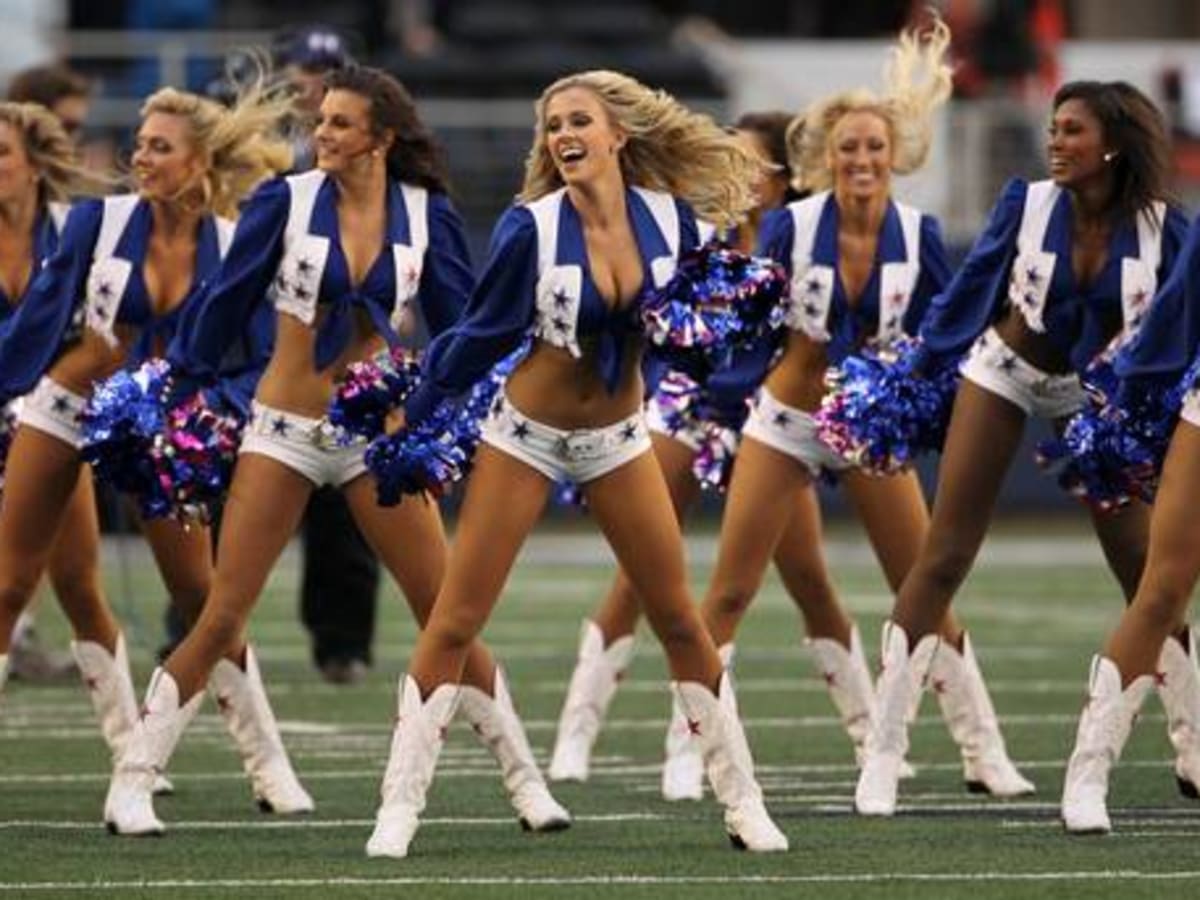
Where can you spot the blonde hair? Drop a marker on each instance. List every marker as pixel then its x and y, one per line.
pixel 51 153
pixel 916 81
pixel 242 143
pixel 668 148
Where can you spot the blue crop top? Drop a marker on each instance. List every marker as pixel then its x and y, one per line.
pixel 537 280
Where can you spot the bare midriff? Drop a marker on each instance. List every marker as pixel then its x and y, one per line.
pixel 557 389
pixel 798 379
pixel 1036 349
pixel 92 359
pixel 292 382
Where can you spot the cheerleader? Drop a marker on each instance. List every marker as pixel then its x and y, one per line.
pixel 1063 267
pixel 606 642
pixel 600 220
pixel 1153 646
pixel 37 176
pixel 126 270
pixel 342 252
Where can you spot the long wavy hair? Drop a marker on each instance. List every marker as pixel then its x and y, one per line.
pixel 415 155
pixel 916 81
pixel 1134 128
pixel 668 148
pixel 242 143
pixel 51 153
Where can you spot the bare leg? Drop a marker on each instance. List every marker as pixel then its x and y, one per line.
pixel 410 541
pixel 801 563
pixel 985 431
pixel 762 499
pixel 893 512
pixel 253 534
pixel 41 477
pixel 1160 604
pixel 503 502
pixel 74 563
pixel 619 613
pixel 633 508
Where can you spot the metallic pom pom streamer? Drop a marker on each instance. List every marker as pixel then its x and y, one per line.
pixel 685 409
pixel 175 456
pixel 371 389
pixel 1111 452
pixel 432 455
pixel 880 415
pixel 717 300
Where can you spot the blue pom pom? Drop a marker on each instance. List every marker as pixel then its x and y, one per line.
pixel 1111 452
pixel 371 389
pixel 434 454
pixel 174 455
pixel 717 300
pixel 879 415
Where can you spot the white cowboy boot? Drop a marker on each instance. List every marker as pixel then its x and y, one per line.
pixel 129 806
pixel 1104 727
pixel 971 719
pixel 110 687
pixel 683 766
pixel 1178 682
pixel 887 743
pixel 3 671
pixel 713 721
pixel 848 679
pixel 243 703
pixel 496 722
pixel 416 744
pixel 598 670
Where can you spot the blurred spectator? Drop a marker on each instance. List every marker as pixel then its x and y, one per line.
pixel 60 89
pixel 304 55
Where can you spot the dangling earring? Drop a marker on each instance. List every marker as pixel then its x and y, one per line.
pixel 1110 155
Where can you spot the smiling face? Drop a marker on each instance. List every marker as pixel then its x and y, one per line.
pixel 1075 144
pixel 581 139
pixel 18 176
pixel 860 155
pixel 345 132
pixel 166 161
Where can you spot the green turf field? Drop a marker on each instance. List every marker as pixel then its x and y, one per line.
pixel 1039 603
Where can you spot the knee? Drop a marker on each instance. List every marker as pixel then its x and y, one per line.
pixel 946 565
pixel 16 587
pixel 730 598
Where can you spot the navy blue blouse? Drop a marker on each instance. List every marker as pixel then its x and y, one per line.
pixel 41 327
pixel 45 242
pixel 253 263
pixel 1079 319
pixel 502 309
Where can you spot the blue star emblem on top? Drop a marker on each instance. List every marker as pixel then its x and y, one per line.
pixel 304 266
pixel 104 289
pixel 1032 275
pixel 812 286
pixel 561 299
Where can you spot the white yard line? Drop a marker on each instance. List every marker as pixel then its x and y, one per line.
pixel 253 884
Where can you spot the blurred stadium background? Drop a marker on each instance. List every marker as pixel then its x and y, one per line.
pixel 476 65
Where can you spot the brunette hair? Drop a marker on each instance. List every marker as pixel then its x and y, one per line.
pixel 1134 129
pixel 415 156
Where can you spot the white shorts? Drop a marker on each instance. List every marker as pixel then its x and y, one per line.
pixel 308 446
pixel 790 431
pixel 996 368
pixel 52 409
pixel 579 455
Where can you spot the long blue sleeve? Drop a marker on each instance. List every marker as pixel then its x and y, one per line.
pixel 497 317
pixel 935 274
pixel 1170 337
pixel 33 337
pixel 446 276
pixel 969 303
pixel 223 319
